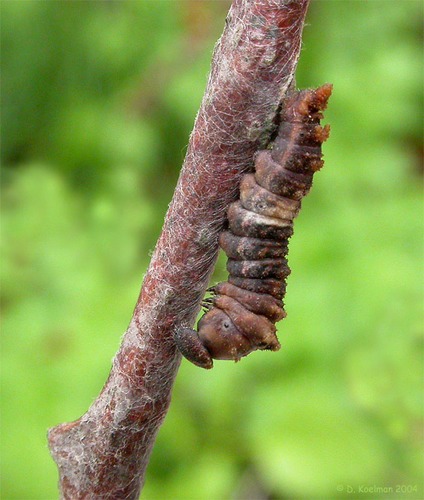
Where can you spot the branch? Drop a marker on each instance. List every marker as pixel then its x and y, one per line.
pixel 105 453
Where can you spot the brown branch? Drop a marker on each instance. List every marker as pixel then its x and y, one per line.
pixel 104 454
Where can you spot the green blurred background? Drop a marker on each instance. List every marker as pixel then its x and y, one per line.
pixel 98 102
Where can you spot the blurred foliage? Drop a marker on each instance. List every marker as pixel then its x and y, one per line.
pixel 98 101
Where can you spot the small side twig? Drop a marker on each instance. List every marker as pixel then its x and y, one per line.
pixel 105 453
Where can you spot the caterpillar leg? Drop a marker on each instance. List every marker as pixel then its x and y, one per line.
pixel 190 345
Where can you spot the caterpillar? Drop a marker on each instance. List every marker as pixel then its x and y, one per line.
pixel 241 314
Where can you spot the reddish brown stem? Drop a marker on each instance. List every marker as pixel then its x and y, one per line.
pixel 104 454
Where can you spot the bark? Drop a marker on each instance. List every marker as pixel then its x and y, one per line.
pixel 105 453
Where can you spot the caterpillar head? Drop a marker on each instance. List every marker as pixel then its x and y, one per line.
pixel 221 337
pixel 217 337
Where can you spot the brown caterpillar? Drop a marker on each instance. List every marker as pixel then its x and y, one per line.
pixel 242 312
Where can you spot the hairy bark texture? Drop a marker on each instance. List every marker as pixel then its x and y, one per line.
pixel 105 453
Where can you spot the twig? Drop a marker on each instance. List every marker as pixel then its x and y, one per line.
pixel 105 453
